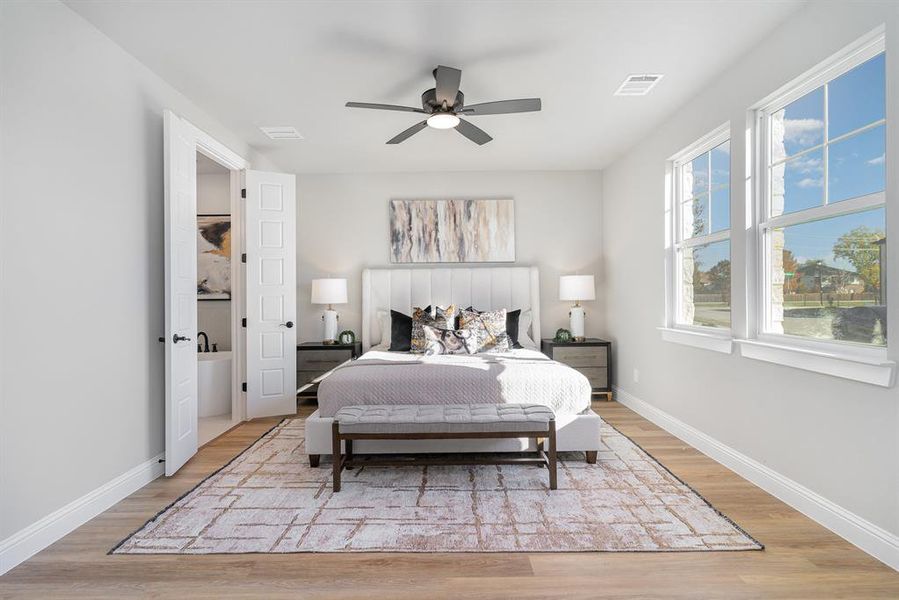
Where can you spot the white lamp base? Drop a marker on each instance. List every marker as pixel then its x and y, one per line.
pixel 576 322
pixel 330 319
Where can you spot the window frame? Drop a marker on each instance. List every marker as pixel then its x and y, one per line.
pixel 760 292
pixel 677 243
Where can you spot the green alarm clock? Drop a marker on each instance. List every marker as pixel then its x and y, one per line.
pixel 347 337
pixel 563 336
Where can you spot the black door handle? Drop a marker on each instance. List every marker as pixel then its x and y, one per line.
pixel 180 338
pixel 289 324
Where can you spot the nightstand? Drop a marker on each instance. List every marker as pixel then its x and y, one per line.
pixel 314 359
pixel 592 357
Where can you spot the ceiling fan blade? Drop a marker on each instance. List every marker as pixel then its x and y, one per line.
pixel 448 80
pixel 475 134
pixel 384 107
pixel 502 107
pixel 402 137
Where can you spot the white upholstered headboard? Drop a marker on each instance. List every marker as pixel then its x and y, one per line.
pixel 485 288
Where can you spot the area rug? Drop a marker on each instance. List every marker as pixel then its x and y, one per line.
pixel 269 499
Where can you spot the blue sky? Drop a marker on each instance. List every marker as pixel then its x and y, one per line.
pixel 856 165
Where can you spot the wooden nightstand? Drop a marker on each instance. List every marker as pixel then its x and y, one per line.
pixel 592 357
pixel 314 359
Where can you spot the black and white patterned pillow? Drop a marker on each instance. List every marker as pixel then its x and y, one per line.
pixel 488 329
pixel 448 341
pixel 444 317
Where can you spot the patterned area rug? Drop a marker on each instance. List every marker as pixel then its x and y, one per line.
pixel 268 499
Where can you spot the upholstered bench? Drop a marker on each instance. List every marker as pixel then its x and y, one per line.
pixel 443 422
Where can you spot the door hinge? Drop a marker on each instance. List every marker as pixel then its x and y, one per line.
pixel 243 193
pixel 243 322
pixel 243 386
pixel 243 257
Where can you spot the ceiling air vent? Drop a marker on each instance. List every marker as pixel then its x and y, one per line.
pixel 637 85
pixel 282 133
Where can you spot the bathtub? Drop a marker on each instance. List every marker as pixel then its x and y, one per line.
pixel 214 383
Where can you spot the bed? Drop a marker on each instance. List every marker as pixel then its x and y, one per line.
pixel 518 376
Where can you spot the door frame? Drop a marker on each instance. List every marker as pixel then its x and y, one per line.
pixel 235 164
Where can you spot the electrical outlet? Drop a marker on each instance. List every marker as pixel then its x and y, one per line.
pixel 636 375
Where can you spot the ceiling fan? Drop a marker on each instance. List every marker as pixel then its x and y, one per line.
pixel 445 104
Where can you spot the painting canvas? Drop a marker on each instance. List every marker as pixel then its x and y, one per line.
pixel 214 257
pixel 452 231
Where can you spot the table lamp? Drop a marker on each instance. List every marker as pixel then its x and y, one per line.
pixel 329 291
pixel 576 288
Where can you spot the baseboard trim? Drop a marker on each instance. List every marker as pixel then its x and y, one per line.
pixel 21 546
pixel 876 541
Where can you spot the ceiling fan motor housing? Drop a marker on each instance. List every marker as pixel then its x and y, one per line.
pixel 429 101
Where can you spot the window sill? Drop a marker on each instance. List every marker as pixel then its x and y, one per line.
pixel 723 343
pixel 873 371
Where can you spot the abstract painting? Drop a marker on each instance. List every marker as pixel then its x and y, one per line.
pixel 214 257
pixel 452 231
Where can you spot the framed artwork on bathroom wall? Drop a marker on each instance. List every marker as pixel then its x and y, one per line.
pixel 213 257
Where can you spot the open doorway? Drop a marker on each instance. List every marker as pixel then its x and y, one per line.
pixel 217 290
pixel 261 305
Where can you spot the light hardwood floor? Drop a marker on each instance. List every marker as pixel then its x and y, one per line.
pixel 801 560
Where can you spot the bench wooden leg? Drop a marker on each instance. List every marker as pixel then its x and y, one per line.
pixel 335 454
pixel 591 456
pixel 349 452
pixel 552 454
pixel 314 460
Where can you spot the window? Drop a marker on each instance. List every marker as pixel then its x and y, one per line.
pixel 823 215
pixel 701 219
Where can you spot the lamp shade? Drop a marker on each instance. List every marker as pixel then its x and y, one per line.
pixel 329 291
pixel 576 287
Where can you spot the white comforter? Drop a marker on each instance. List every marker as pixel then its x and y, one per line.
pixel 518 376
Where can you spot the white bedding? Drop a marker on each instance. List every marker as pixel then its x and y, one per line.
pixel 517 376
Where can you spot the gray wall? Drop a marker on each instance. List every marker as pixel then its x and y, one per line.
pixel 342 228
pixel 81 288
pixel 834 436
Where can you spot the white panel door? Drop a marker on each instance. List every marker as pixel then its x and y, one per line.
pixel 271 293
pixel 180 172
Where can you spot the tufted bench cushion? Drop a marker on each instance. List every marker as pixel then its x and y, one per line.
pixel 453 418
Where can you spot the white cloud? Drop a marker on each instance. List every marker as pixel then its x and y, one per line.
pixel 807 164
pixel 877 161
pixel 803 131
pixel 808 182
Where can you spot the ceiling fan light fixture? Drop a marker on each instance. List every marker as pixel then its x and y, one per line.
pixel 443 121
pixel 443 104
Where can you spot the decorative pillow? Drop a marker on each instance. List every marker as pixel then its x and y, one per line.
pixel 488 329
pixel 401 330
pixel 512 320
pixel 444 317
pixel 448 341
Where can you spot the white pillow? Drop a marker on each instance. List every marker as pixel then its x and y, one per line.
pixel 524 324
pixel 384 325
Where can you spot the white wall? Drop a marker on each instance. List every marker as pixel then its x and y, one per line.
pixel 342 228
pixel 833 436
pixel 214 316
pixel 81 370
pixel 214 193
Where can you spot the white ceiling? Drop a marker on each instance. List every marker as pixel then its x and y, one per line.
pixel 259 63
